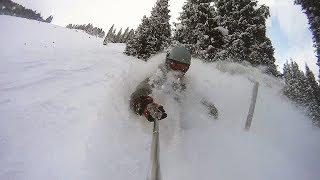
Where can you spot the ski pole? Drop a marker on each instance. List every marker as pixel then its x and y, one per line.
pixel 155 173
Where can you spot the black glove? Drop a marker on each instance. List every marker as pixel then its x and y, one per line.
pixel 154 111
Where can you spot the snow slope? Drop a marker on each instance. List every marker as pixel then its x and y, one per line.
pixel 64 115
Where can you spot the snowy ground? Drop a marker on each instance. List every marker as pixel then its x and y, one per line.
pixel 64 115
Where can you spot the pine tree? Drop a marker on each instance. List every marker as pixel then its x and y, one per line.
pixel 313 83
pixel 141 45
pixel 199 30
pixel 110 30
pixel 105 41
pixel 125 35
pixel 186 31
pixel 298 89
pixel 69 26
pixel 118 36
pixel 130 35
pixel 89 28
pixel 110 36
pixel 153 34
pixel 160 26
pixel 246 22
pixel 49 19
pixel 294 86
pixel 312 9
pixel 101 33
pixel 113 36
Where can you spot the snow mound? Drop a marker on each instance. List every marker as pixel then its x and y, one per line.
pixel 65 115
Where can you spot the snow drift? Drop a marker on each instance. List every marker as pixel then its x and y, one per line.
pixel 64 115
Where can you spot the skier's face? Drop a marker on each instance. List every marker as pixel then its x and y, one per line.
pixel 178 66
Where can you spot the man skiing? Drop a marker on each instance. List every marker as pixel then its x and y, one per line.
pixel 177 63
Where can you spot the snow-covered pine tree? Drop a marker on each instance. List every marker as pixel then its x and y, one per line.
pixel 130 35
pixel 101 33
pixel 69 26
pixel 186 32
pixel 125 35
pixel 153 34
pixel 111 34
pixel 110 30
pixel 142 43
pixel 292 87
pixel 246 22
pixel 94 31
pixel 105 41
pixel 313 83
pixel 49 19
pixel 288 79
pixel 301 85
pixel 89 28
pixel 312 100
pixel 300 92
pixel 199 30
pixel 312 9
pixel 118 36
pixel 160 25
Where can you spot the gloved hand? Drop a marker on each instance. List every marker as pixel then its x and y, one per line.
pixel 154 111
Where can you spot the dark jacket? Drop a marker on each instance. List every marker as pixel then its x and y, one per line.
pixel 145 88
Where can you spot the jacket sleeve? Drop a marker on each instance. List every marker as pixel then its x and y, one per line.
pixel 140 98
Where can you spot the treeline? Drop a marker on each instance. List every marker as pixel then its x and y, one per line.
pixel 212 30
pixel 118 37
pixel 89 29
pixel 7 7
pixel 303 89
pixel 312 9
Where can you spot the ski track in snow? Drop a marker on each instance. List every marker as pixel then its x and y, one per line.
pixel 64 115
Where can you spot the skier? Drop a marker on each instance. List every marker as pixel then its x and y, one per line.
pixel 177 63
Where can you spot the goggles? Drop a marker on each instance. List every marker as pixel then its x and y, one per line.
pixel 178 66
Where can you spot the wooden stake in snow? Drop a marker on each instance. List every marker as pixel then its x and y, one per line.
pixel 252 106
